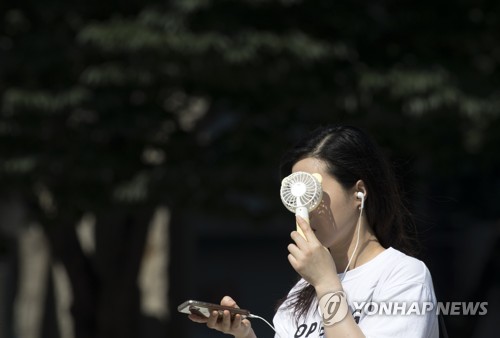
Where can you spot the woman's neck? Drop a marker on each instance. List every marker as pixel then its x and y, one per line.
pixel 367 249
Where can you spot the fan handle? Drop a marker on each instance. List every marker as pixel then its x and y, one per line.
pixel 303 212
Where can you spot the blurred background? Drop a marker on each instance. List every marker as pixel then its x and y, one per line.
pixel 140 142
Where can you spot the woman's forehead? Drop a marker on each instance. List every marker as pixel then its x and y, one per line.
pixel 310 165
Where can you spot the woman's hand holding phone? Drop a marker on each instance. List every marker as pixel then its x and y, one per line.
pixel 226 322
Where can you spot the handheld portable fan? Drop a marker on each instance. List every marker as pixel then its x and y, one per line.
pixel 300 193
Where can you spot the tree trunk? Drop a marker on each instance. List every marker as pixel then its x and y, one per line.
pixel 34 262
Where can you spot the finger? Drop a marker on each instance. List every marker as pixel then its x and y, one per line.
pixel 299 230
pixel 293 262
pixel 226 321
pixel 302 225
pixel 296 236
pixel 306 229
pixel 236 322
pixel 294 251
pixel 197 319
pixel 228 301
pixel 212 320
pixel 300 241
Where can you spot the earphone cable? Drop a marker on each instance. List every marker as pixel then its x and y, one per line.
pixel 356 246
pixel 265 321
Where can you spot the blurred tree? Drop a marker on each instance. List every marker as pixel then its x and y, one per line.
pixel 113 106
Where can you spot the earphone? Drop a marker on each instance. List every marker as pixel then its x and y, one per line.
pixel 361 196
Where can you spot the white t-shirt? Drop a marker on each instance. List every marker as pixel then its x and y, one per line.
pixel 390 296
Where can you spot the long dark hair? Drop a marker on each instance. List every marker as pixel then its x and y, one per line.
pixel 351 155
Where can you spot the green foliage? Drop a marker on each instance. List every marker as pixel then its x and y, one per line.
pixel 15 100
pixel 139 103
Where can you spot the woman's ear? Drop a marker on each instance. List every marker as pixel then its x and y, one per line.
pixel 360 187
pixel 361 192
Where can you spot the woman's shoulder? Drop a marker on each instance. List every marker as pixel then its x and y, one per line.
pixel 401 268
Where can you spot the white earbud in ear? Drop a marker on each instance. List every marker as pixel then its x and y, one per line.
pixel 361 196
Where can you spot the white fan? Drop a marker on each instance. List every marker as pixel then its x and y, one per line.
pixel 300 193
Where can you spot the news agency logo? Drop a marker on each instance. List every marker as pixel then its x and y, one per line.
pixel 308 329
pixel 415 308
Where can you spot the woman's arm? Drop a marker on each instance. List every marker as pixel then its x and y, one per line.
pixel 337 319
pixel 315 264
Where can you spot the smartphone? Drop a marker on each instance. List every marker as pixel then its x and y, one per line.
pixel 204 309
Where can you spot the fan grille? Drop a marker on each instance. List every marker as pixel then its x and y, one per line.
pixel 300 189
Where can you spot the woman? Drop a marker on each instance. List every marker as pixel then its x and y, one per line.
pixel 356 277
